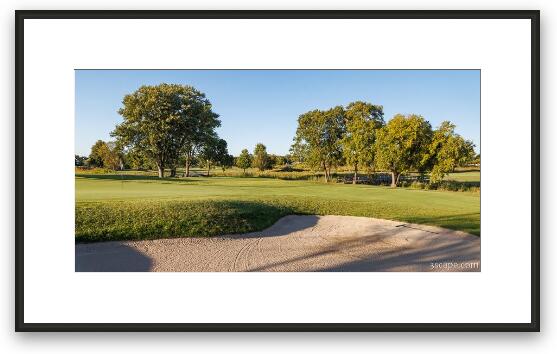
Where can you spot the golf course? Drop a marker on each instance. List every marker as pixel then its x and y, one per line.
pixel 124 206
pixel 174 179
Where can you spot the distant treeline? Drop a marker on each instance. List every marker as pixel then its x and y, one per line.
pixel 357 135
pixel 108 155
pixel 170 125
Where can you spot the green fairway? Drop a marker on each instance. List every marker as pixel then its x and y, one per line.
pixel 115 207
pixel 464 176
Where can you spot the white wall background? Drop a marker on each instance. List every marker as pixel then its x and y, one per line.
pixel 276 342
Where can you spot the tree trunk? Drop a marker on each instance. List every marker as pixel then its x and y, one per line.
pixel 394 178
pixel 208 168
pixel 161 170
pixel 173 171
pixel 188 164
pixel 355 179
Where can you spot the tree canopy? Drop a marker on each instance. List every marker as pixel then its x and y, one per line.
pixel 244 160
pixel 169 124
pixel 226 161
pixel 105 154
pixel 213 152
pixel 362 120
pixel 447 151
pixel 161 121
pixel 318 138
pixel 260 157
pixel 95 157
pixel 402 145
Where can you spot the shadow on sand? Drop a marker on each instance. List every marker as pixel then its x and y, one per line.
pixel 110 257
pixel 398 247
pixel 458 252
pixel 283 226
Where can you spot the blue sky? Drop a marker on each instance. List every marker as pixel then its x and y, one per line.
pixel 263 105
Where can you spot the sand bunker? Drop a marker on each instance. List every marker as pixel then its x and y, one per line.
pixel 296 243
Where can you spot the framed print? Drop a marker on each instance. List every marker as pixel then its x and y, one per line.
pixel 277 170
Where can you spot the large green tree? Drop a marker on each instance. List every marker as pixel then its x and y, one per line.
pixel 112 156
pixel 244 161
pixel 213 152
pixel 261 157
pixel 362 121
pixel 226 161
pixel 279 161
pixel 203 133
pixel 318 139
pixel 402 145
pixel 105 154
pixel 138 161
pixel 300 152
pixel 447 151
pixel 160 121
pixel 95 157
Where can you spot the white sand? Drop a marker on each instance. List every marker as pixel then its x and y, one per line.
pixel 296 243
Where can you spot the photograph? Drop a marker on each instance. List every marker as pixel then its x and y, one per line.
pixel 257 180
pixel 306 170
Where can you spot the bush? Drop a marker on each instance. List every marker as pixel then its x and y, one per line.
pixel 453 186
pixel 456 186
pixel 93 170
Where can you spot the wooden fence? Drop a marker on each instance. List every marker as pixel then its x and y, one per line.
pixel 381 178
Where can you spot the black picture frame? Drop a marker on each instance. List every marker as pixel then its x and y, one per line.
pixel 532 326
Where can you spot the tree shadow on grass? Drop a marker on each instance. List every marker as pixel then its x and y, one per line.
pixel 175 219
pixel 117 177
pixel 464 222
pixel 183 180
